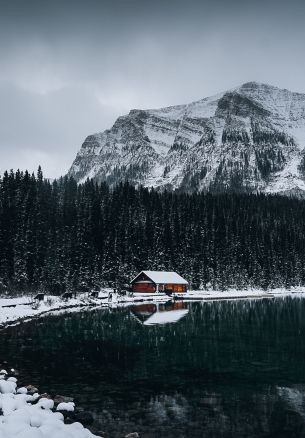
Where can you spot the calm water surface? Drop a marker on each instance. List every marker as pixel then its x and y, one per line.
pixel 225 369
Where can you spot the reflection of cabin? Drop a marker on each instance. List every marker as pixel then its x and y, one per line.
pixel 159 313
pixel 158 281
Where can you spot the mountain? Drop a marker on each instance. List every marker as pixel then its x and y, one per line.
pixel 248 139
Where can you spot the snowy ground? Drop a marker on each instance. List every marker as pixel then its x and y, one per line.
pixel 13 310
pixel 27 415
pixel 240 294
pixel 21 308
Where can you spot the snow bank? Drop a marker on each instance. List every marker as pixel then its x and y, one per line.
pixel 240 294
pixel 25 417
pixel 14 309
pixel 69 406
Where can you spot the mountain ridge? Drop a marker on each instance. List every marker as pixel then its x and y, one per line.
pixel 247 139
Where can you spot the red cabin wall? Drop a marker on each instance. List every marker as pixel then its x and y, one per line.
pixel 151 287
pixel 144 287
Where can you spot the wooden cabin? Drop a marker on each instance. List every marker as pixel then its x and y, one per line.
pixel 158 281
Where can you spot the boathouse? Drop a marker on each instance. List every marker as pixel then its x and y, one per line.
pixel 158 281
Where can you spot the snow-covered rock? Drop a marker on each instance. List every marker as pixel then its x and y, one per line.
pixel 46 403
pixel 7 387
pixel 12 379
pixel 22 390
pixel 246 139
pixel 22 418
pixel 68 406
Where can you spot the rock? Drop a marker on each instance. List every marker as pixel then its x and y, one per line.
pixel 45 395
pixel 13 372
pixel 132 435
pixel 62 399
pixel 84 417
pixel 31 389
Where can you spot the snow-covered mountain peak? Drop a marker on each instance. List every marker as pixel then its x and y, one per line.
pixel 249 138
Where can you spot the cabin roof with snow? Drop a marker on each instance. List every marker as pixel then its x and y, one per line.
pixel 162 277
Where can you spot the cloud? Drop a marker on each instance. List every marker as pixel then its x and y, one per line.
pixel 48 129
pixel 69 68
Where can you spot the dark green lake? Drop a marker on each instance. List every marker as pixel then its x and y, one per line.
pixel 226 369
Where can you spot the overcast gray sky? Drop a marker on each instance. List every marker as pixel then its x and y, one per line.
pixel 69 68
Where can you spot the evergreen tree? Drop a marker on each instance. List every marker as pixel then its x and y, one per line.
pixel 64 236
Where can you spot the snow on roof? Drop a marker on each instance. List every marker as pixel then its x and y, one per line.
pixel 161 277
pixel 165 317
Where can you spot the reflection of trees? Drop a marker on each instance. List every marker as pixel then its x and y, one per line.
pixel 225 414
pixel 166 408
pixel 294 397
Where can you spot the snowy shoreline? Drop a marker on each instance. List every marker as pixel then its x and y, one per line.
pixel 17 310
pixel 26 414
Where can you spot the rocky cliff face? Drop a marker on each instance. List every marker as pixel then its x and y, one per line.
pixel 247 139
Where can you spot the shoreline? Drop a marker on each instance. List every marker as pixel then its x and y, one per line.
pixel 18 310
pixel 26 412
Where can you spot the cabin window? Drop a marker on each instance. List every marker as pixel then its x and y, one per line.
pixel 179 288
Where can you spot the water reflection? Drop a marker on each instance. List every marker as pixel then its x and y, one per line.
pixel 294 397
pixel 159 313
pixel 226 369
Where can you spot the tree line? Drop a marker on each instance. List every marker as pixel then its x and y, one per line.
pixel 59 236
